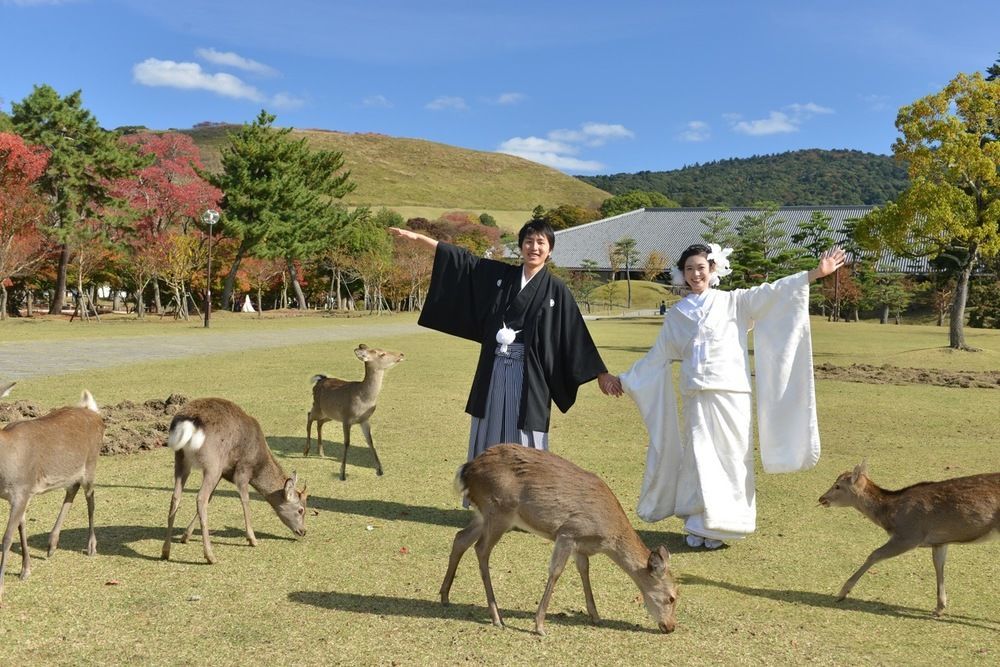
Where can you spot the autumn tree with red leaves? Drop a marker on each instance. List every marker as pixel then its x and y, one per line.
pixel 22 210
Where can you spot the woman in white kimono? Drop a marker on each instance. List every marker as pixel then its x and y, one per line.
pixel 700 468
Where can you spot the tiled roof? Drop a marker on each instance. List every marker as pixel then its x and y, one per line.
pixel 670 230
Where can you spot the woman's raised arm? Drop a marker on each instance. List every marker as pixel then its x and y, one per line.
pixel 829 261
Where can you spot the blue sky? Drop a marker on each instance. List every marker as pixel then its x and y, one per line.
pixel 587 87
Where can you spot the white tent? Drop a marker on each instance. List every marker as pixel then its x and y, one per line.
pixel 247 306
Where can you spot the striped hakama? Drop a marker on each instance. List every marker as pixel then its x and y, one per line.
pixel 503 403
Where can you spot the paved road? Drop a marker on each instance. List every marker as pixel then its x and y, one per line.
pixel 31 359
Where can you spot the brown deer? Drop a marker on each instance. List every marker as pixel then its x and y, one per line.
pixel 226 443
pixel 929 514
pixel 350 402
pixel 513 486
pixel 56 451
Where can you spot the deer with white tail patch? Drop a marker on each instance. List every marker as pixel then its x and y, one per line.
pixel 513 486
pixel 226 443
pixel 929 514
pixel 56 451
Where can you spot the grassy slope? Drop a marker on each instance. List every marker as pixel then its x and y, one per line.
pixel 394 171
pixel 348 593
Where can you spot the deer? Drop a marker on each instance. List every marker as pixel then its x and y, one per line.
pixel 217 436
pixel 56 451
pixel 350 402
pixel 961 510
pixel 511 486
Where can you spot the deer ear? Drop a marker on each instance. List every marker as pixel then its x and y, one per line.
pixel 859 470
pixel 657 564
pixel 6 389
pixel 290 492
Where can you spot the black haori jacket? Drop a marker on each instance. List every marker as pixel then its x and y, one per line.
pixel 473 298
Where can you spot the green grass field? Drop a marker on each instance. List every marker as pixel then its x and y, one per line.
pixel 361 587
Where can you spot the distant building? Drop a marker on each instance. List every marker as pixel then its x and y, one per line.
pixel 670 230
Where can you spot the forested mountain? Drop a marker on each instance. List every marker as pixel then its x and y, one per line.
pixel 798 178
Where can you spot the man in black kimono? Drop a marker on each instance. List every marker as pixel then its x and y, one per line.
pixel 534 345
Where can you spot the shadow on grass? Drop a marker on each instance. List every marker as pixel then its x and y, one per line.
pixel 814 599
pixel 118 541
pixel 384 605
pixel 393 511
pixel 359 455
pixel 377 509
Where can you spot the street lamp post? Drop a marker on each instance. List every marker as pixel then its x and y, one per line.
pixel 209 217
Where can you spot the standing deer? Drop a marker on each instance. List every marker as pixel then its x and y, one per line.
pixel 350 402
pixel 226 443
pixel 511 486
pixel 928 514
pixel 56 451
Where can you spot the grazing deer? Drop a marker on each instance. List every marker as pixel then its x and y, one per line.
pixel 56 451
pixel 226 443
pixel 928 514
pixel 513 486
pixel 350 402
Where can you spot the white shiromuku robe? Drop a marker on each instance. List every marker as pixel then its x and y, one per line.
pixel 700 467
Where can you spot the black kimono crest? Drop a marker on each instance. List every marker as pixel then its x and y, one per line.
pixel 472 298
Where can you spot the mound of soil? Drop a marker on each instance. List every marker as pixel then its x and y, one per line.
pixel 129 427
pixel 887 374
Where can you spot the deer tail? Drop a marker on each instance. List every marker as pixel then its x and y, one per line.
pixel 185 433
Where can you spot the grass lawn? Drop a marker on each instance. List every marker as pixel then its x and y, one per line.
pixel 361 587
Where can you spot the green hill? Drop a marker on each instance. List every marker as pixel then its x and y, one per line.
pixel 398 172
pixel 797 178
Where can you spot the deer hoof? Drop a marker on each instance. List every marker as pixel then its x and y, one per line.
pixel 379 472
pixel 252 542
pixel 540 631
pixel 25 574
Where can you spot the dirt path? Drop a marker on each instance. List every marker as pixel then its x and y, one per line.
pixel 20 360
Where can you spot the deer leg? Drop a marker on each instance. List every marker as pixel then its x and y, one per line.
pixel 208 484
pixel 25 557
pixel 347 445
pixel 564 547
pixel 67 502
pixel 181 472
pixel 189 531
pixel 463 540
pixel 92 537
pixel 319 436
pixel 939 553
pixel 583 567
pixel 367 430
pixel 241 486
pixel 887 550
pixel 16 518
pixel 491 534
pixel 309 428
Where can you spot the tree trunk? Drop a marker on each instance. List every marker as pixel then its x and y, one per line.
pixel 260 304
pixel 3 301
pixel 60 290
pixel 299 296
pixel 29 301
pixel 227 285
pixel 956 329
pixel 884 317
pixel 140 303
pixel 157 303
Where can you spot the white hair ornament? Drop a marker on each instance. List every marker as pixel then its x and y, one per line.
pixel 720 256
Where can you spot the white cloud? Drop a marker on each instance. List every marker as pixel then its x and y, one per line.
pixel 694 131
pixel 190 76
pixel 287 101
pixel 535 145
pixel 446 103
pixel 376 102
pixel 808 109
pixel 776 123
pixel 507 99
pixel 779 122
pixel 875 102
pixel 230 59
pixel 559 148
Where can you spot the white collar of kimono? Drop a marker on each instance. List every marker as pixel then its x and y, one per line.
pixel 525 279
pixel 694 306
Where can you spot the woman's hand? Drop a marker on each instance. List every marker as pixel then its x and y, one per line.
pixel 610 384
pixel 829 261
